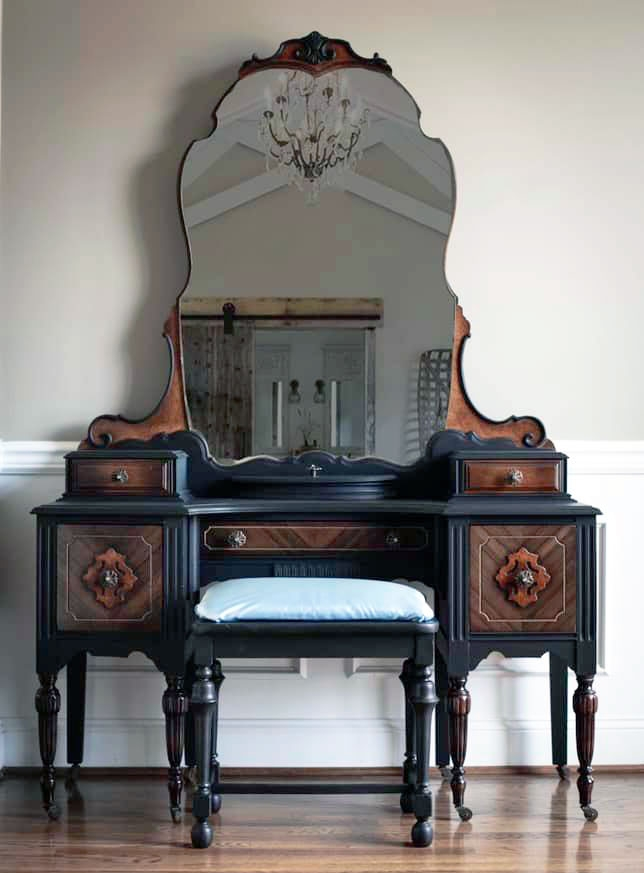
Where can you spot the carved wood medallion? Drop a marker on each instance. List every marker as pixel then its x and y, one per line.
pixel 110 578
pixel 522 577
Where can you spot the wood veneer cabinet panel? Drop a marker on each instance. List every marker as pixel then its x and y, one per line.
pixel 109 577
pixel 499 603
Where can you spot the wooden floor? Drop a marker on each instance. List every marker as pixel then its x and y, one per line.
pixel 530 824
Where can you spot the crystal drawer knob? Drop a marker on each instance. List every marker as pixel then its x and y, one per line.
pixel 392 539
pixel 109 579
pixel 515 476
pixel 237 539
pixel 121 476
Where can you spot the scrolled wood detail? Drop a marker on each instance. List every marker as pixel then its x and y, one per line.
pixel 522 577
pixel 314 54
pixel 110 578
pixel 170 415
pixel 524 431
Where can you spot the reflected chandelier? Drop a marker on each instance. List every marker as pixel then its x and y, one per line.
pixel 311 130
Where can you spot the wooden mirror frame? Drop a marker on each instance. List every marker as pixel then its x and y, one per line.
pixel 317 55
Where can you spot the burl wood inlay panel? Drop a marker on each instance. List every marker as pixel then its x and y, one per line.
pixel 497 477
pixel 109 577
pixel 493 609
pixel 314 537
pixel 135 476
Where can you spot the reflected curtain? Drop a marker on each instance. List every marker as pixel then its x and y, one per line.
pixel 219 385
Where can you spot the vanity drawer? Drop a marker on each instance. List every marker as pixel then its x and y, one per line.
pixel 321 537
pixel 120 476
pixel 497 477
pixel 523 579
pixel 109 577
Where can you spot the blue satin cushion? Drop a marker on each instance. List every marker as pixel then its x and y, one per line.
pixel 308 599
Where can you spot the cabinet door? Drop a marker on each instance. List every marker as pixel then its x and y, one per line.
pixel 109 577
pixel 523 579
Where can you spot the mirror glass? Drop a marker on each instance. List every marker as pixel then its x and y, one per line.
pixel 317 313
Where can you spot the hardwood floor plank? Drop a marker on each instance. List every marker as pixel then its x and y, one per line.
pixel 521 824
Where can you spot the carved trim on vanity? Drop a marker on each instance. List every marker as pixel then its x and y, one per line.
pixel 524 431
pixel 522 577
pixel 170 415
pixel 314 54
pixel 110 578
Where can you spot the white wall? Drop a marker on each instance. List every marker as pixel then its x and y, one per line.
pixel 541 107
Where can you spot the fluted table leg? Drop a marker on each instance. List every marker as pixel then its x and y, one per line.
pixel 458 707
pixel 175 707
pixel 584 703
pixel 48 707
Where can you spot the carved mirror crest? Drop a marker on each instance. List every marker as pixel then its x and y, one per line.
pixel 316 314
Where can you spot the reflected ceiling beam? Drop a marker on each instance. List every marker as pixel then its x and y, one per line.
pixel 251 189
pixel 206 153
pixel 395 201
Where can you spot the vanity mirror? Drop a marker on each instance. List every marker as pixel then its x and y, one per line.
pixel 317 313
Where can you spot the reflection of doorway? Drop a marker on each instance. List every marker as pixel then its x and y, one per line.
pixel 313 389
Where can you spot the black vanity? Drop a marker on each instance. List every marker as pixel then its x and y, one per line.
pixel 286 389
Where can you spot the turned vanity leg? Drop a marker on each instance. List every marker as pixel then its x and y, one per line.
pixel 559 713
pixel 584 703
pixel 202 703
pixel 76 681
pixel 458 707
pixel 409 764
pixel 423 700
pixel 175 705
pixel 442 719
pixel 217 678
pixel 48 707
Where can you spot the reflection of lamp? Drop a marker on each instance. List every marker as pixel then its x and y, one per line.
pixel 310 130
pixel 294 394
pixel 320 395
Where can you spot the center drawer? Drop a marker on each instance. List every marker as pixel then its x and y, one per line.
pixel 288 537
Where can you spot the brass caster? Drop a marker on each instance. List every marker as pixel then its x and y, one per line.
pixel 563 772
pixel 445 772
pixel 464 813
pixel 590 813
pixel 175 812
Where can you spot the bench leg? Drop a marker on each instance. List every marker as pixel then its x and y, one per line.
pixel 217 678
pixel 409 764
pixel 423 699
pixel 202 704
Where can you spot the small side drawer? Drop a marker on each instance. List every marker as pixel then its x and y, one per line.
pixel 313 537
pixel 109 577
pixel 523 579
pixel 499 477
pixel 132 474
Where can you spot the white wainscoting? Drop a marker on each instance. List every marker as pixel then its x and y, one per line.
pixel 329 713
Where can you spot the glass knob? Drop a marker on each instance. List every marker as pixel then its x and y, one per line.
pixel 392 539
pixel 121 476
pixel 515 476
pixel 109 579
pixel 237 539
